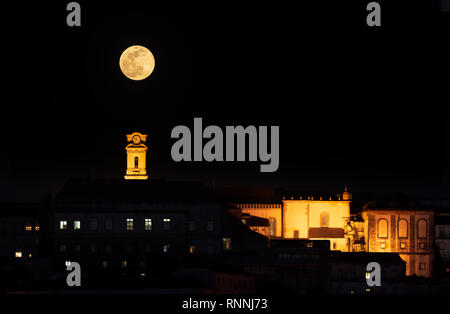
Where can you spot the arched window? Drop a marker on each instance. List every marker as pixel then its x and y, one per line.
pixel 402 228
pixel 421 229
pixel 136 162
pixel 324 220
pixel 382 228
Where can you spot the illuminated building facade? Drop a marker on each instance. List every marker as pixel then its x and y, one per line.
pixel 404 228
pixel 136 157
pixel 306 217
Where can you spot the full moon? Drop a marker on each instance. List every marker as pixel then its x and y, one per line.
pixel 137 62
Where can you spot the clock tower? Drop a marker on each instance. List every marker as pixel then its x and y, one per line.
pixel 136 155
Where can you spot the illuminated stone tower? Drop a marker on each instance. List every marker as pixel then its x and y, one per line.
pixel 136 155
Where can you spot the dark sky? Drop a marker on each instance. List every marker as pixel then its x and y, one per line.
pixel 356 106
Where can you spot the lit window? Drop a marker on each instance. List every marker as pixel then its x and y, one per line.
pixel 148 224
pixel 36 228
pixel 166 248
pixel 382 245
pixel 226 244
pixel 63 224
pixel 422 266
pixel 368 274
pixel 244 221
pixel 124 264
pixel 422 229
pixel 76 225
pixel 30 255
pixel 382 228
pixel 191 226
pixel 192 249
pixel 210 226
pixel 18 254
pixel 402 228
pixel 403 245
pixel 166 224
pixel 273 226
pixel 28 228
pixel 105 264
pixel 130 224
pixel 324 219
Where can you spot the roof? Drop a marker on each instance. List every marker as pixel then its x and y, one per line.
pixel 255 221
pixel 394 205
pixel 442 220
pixel 20 209
pixel 133 191
pixel 365 257
pixel 325 233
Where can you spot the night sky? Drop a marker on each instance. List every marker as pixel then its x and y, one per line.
pixel 356 106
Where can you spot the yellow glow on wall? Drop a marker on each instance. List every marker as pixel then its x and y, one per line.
pixel 136 157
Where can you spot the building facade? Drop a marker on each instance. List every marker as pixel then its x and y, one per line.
pixel 402 228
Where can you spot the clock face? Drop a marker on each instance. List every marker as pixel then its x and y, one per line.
pixel 136 139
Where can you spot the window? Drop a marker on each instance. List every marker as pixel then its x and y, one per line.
pixel 272 226
pixel 382 245
pixel 441 232
pixel 403 245
pixel 166 224
pixel 76 225
pixel 334 245
pixel 28 228
pixel 105 264
pixel 108 224
pixel 226 244
pixel 136 162
pixel 192 249
pixel 421 229
pixel 422 266
pixel 36 228
pixel 130 224
pixel 210 226
pixel 18 254
pixel 324 220
pixel 148 224
pixel 166 248
pixel 124 264
pixel 94 223
pixel 296 234
pixel 62 248
pixel 382 228
pixel 422 245
pixel 402 228
pixel 191 226
pixel 63 224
